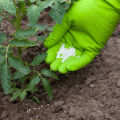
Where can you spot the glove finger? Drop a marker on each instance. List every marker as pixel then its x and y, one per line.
pixel 79 62
pixel 52 53
pixel 62 67
pixel 49 42
pixel 55 64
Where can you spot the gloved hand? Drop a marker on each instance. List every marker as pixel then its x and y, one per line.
pixel 87 26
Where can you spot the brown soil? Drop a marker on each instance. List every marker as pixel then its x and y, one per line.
pixel 92 93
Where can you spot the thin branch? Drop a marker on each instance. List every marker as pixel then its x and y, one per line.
pixel 6 18
pixel 23 15
pixel 7 40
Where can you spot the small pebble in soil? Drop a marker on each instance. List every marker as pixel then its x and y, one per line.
pixel 92 85
pixel 41 105
pixel 43 101
pixel 56 108
pixel 30 118
pixel 37 115
pixel 76 85
pixel 34 108
pixel 61 118
pixel 27 111
pixel 47 104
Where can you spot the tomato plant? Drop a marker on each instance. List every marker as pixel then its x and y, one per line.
pixel 18 9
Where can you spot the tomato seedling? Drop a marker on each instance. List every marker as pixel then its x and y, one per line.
pixel 32 9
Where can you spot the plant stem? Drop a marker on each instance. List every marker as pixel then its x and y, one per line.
pixel 23 85
pixel 23 15
pixel 7 18
pixel 45 33
pixel 18 21
pixel 7 40
pixel 24 49
pixel 6 52
pixel 19 53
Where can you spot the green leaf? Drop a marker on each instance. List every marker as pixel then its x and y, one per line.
pixel 20 0
pixel 8 14
pixel 37 60
pixel 69 1
pixel 8 5
pixel 61 1
pixel 21 6
pixel 10 51
pixel 47 87
pixel 41 38
pixel 15 94
pixel 32 1
pixel 29 3
pixel 65 5
pixel 21 3
pixel 0 18
pixel 49 3
pixel 26 63
pixel 39 26
pixel 22 95
pixel 22 43
pixel 35 98
pixel 14 84
pixel 33 14
pixel 19 74
pixel 33 90
pixel 5 77
pixel 2 37
pixel 50 28
pixel 27 87
pixel 35 79
pixel 2 58
pixel 2 50
pixel 10 54
pixel 1 9
pixel 57 12
pixel 49 73
pixel 17 64
pixel 11 90
pixel 22 79
pixel 41 5
pixel 25 34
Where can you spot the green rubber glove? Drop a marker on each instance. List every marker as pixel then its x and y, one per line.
pixel 87 26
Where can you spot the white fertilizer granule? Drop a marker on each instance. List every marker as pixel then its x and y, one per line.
pixel 66 53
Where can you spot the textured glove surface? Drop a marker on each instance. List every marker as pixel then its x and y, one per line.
pixel 87 26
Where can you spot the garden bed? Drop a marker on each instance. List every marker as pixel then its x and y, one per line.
pixel 92 93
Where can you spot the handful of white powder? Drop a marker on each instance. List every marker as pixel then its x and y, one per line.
pixel 65 53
